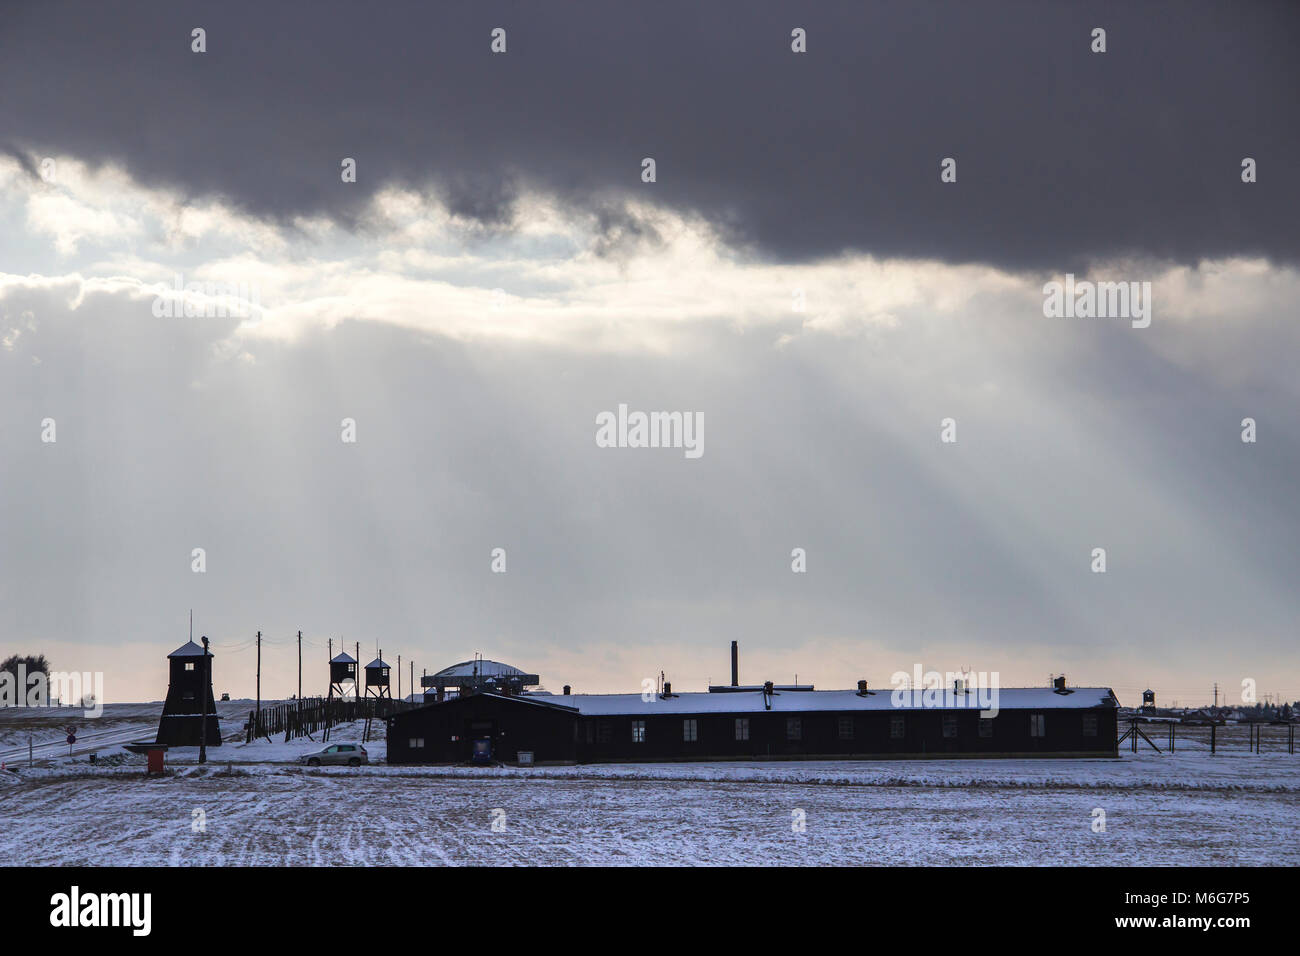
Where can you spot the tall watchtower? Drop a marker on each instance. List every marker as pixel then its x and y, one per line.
pixel 377 678
pixel 343 670
pixel 189 682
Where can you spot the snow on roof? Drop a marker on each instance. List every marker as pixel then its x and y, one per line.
pixel 812 701
pixel 343 658
pixel 485 668
pixel 188 649
pixel 376 664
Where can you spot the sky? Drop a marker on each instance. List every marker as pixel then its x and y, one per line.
pixel 798 275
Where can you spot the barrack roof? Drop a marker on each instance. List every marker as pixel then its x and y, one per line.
pixel 814 701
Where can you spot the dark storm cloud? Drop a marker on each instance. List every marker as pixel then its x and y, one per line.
pixel 1064 156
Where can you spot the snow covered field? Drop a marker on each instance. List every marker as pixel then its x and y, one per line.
pixel 1186 808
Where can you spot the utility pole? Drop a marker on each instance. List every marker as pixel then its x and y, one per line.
pixel 1216 693
pixel 300 670
pixel 259 673
pixel 399 676
pixel 203 692
pixel 412 682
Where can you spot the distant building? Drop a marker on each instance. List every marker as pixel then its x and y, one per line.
pixel 477 676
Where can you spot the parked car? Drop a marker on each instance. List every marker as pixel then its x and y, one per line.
pixel 225 697
pixel 353 755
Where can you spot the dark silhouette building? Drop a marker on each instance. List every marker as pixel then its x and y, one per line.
pixel 189 683
pixel 759 723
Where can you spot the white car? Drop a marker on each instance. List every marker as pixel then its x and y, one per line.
pixel 352 755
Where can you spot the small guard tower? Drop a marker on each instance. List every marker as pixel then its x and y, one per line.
pixel 190 680
pixel 1148 699
pixel 377 678
pixel 343 670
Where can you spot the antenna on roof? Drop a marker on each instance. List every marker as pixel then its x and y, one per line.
pixel 191 624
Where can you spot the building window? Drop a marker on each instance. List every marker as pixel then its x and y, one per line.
pixel 1090 725
pixel 189 665
pixel 416 743
pixel 896 727
pixel 742 728
pixel 986 726
pixel 1037 726
pixel 690 729
pixel 950 725
pixel 793 728
pixel 846 728
pixel 638 731
pixel 604 732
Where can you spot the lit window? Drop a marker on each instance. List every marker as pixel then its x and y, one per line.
pixel 896 727
pixel 1037 725
pixel 189 665
pixel 793 728
pixel 638 731
pixel 742 728
pixel 690 729
pixel 950 725
pixel 1090 725
pixel 986 726
pixel 416 743
pixel 846 728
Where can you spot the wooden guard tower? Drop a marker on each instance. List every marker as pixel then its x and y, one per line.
pixel 343 670
pixel 190 680
pixel 377 678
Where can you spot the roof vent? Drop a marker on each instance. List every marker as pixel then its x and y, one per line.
pixel 1058 685
pixel 862 689
pixel 959 686
pixel 668 690
pixel 567 690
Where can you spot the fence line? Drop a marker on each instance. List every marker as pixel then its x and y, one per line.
pixel 312 715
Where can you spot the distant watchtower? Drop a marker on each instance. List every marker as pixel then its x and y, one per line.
pixel 1148 699
pixel 343 670
pixel 190 680
pixel 377 678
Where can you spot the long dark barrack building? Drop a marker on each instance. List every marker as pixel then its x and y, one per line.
pixel 758 722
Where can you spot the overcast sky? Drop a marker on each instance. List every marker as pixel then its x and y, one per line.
pixel 499 275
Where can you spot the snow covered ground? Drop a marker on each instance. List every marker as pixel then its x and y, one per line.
pixel 1180 809
pixel 47 727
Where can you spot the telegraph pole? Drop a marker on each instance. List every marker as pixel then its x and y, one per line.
pixel 203 692
pixel 399 676
pixel 300 670
pixel 412 682
pixel 259 673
